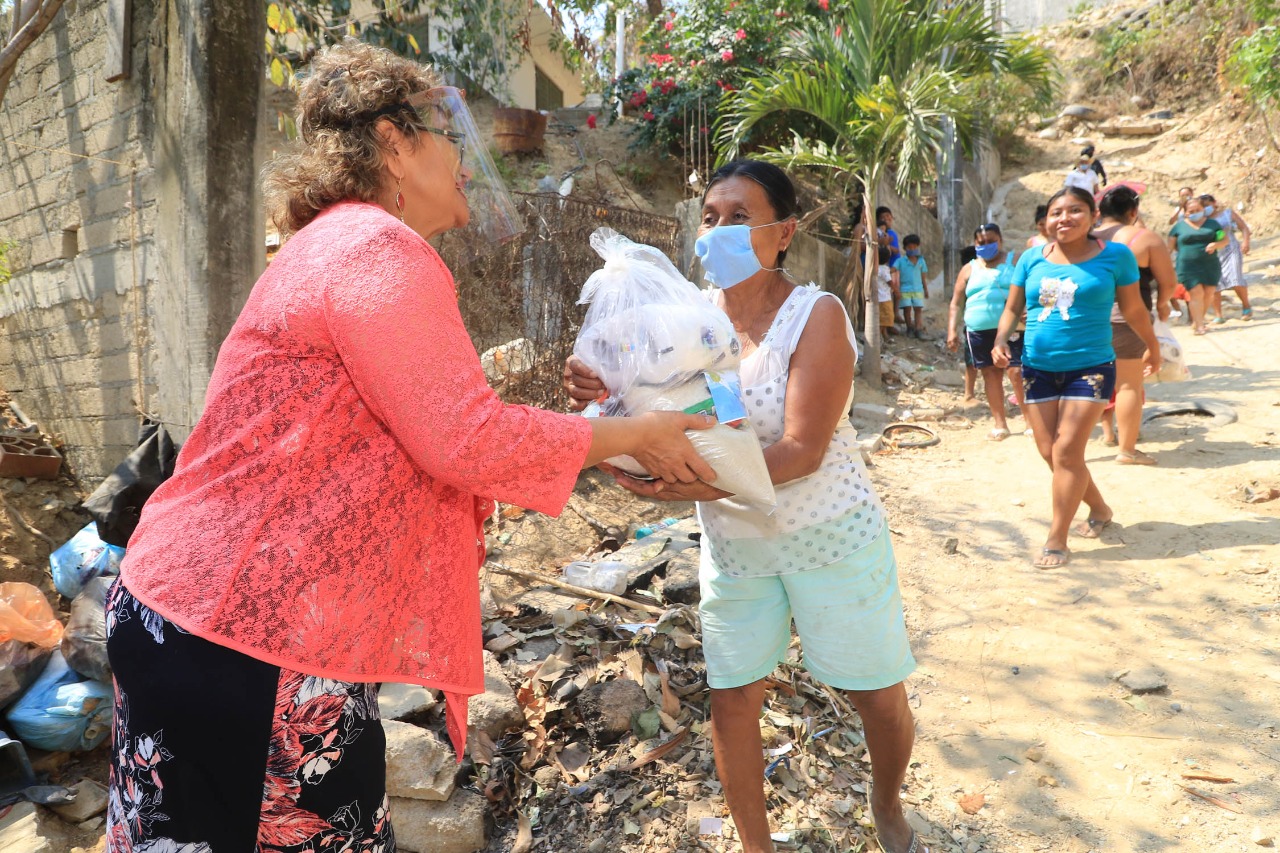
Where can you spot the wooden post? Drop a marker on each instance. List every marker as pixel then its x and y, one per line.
pixel 119 36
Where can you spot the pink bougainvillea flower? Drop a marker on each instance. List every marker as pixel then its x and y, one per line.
pixel 824 5
pixel 726 55
pixel 591 121
pixel 648 116
pixel 740 34
pixel 839 31
pixel 669 26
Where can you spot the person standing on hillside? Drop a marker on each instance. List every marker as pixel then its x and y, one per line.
pixel 1118 222
pixel 1083 177
pixel 1195 242
pixel 1180 205
pixel 1068 363
pixel 1095 164
pixel 913 290
pixel 1231 258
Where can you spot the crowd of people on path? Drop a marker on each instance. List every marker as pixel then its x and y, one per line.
pixel 1070 323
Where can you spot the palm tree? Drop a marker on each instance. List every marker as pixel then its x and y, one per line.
pixel 874 92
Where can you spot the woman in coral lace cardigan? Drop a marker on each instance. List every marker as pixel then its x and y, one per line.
pixel 323 530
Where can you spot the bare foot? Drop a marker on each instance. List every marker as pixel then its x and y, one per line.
pixel 893 830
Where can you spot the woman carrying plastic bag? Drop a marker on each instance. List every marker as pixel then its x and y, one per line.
pixel 823 555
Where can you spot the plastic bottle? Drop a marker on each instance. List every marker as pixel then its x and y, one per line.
pixel 605 576
pixel 650 529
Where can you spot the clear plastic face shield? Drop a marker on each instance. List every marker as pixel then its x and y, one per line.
pixel 494 218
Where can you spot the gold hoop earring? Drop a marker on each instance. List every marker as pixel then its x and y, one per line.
pixel 399 200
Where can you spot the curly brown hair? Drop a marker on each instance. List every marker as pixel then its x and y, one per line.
pixel 340 154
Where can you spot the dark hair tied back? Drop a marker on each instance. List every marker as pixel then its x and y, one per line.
pixel 775 183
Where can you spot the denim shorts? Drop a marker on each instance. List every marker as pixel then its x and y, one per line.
pixel 981 342
pixel 848 615
pixel 1090 384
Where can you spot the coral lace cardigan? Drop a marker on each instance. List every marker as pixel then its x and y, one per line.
pixel 326 513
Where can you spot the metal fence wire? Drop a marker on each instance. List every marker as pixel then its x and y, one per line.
pixel 519 301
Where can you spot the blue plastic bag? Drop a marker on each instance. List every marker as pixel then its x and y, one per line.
pixel 82 558
pixel 63 712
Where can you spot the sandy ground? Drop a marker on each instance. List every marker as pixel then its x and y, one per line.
pixel 1013 658
pixel 1017 695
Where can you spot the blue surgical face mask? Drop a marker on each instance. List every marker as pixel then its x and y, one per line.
pixel 988 251
pixel 913 253
pixel 727 255
pixel 1209 209
pixel 1196 217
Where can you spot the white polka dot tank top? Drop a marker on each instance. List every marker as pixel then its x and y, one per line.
pixel 820 518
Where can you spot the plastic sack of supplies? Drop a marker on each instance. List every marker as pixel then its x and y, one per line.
pixel 658 344
pixel 26 616
pixel 84 643
pixel 82 558
pixel 1173 364
pixel 61 711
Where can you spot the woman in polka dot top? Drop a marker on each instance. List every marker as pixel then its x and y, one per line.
pixel 822 557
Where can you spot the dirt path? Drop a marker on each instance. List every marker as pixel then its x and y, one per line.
pixel 1018 664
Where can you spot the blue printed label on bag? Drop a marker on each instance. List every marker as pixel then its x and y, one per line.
pixel 726 394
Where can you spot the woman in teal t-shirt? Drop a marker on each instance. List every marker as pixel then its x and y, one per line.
pixel 1068 365
pixel 1195 241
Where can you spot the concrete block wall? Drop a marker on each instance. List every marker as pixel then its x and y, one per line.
pixel 132 216
pixel 73 322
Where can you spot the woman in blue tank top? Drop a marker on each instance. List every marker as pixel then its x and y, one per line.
pixel 1068 362
pixel 981 290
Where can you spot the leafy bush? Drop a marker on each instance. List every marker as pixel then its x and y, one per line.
pixel 694 57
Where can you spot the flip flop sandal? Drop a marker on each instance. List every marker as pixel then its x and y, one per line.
pixel 915 846
pixel 1137 457
pixel 1093 528
pixel 1246 314
pixel 998 435
pixel 1063 555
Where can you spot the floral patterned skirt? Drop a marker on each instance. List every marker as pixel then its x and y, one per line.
pixel 216 752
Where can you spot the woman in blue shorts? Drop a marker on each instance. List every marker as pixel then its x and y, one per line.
pixel 822 558
pixel 1068 363
pixel 981 291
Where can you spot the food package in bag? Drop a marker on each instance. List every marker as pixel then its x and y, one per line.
pixel 658 344
pixel 1173 364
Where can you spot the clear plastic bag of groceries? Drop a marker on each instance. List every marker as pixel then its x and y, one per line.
pixel 658 344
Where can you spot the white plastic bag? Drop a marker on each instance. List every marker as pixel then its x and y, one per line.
pixel 658 344
pixel 1173 364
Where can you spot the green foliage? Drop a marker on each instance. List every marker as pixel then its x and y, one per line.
pixel 693 57
pixel 875 86
pixel 485 43
pixel 1255 67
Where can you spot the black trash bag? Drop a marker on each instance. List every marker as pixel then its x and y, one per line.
pixel 20 665
pixel 116 505
pixel 84 643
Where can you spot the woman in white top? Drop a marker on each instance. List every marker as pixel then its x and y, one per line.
pixel 1084 177
pixel 823 555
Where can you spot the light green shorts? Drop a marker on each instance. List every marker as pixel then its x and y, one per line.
pixel 848 615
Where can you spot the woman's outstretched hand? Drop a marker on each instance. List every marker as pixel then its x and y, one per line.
pixel 666 452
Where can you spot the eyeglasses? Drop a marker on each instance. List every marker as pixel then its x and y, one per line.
pixel 458 139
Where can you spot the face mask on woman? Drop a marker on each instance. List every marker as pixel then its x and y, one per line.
pixel 1196 217
pixel 1209 209
pixel 727 255
pixel 987 251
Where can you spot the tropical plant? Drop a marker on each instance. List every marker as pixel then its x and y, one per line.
pixel 693 54
pixel 874 91
pixel 1254 64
